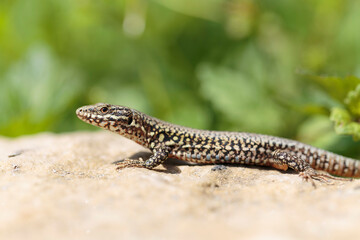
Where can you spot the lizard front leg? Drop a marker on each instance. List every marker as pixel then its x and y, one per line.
pixel 283 160
pixel 159 155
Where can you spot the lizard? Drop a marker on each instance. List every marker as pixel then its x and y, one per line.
pixel 166 140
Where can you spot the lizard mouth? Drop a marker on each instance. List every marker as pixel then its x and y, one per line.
pixel 87 114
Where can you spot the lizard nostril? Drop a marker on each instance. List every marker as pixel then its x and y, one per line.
pixel 79 111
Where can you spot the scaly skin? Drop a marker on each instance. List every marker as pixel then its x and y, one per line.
pixel 209 147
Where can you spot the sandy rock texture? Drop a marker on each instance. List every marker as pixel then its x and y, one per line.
pixel 66 187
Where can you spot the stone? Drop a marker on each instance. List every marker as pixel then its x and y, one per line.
pixel 65 186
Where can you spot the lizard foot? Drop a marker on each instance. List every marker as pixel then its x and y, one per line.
pixel 310 175
pixel 130 163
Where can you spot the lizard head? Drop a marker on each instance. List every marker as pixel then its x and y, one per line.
pixel 106 115
pixel 122 120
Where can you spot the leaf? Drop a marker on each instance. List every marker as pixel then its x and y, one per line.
pixel 236 95
pixel 344 124
pixel 340 116
pixel 352 101
pixel 337 87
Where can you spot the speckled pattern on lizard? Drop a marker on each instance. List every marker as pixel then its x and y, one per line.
pixel 213 147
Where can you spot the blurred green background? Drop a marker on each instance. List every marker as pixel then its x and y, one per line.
pixel 285 68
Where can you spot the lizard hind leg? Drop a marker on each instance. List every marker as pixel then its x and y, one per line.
pixel 310 174
pixel 285 158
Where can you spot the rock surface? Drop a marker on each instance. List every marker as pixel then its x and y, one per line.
pixel 66 187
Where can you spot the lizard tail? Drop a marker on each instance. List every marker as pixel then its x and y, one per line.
pixel 338 165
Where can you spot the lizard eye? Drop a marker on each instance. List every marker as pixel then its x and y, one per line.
pixel 104 109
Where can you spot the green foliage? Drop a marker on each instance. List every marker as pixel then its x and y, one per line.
pixel 352 100
pixel 40 90
pixel 345 112
pixel 347 119
pixel 218 64
pixel 337 87
pixel 344 124
pixel 235 93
